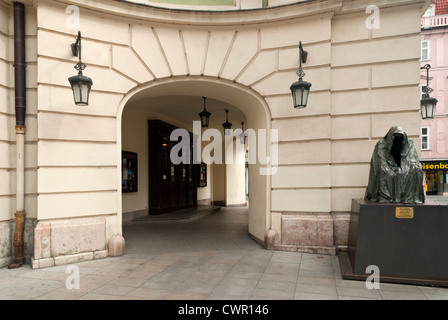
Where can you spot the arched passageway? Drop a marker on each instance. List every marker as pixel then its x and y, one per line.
pixel 178 101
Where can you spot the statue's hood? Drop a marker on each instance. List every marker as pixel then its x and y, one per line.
pixel 394 132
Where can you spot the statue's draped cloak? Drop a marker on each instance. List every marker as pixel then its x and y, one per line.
pixel 395 172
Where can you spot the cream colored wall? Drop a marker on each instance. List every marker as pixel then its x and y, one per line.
pixel 382 93
pixel 235 185
pixel 370 85
pixel 7 204
pixel 219 183
pixel 237 4
pixel 365 80
pixel 135 139
pixel 302 182
pixel 235 174
pixel 77 155
pixel 6 116
pixel 7 130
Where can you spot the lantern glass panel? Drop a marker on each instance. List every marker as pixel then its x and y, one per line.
pixel 300 91
pixel 428 106
pixel 430 110
pixel 243 138
pixel 300 97
pixel 424 114
pixel 84 90
pixel 76 92
pixel 205 118
pixel 81 89
pixel 204 122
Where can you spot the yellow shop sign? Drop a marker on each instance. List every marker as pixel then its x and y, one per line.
pixel 434 165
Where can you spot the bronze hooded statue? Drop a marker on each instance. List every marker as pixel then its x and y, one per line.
pixel 395 172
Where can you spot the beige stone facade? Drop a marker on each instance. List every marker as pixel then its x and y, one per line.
pixel 155 63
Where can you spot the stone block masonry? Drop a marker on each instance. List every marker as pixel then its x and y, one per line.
pixel 65 242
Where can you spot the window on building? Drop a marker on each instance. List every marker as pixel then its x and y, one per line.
pixel 424 138
pixel 425 50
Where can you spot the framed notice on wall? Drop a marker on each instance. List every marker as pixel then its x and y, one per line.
pixel 202 175
pixel 129 172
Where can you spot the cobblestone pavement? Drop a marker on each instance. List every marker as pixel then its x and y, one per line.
pixel 212 258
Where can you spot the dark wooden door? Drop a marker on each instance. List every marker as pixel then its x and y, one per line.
pixel 171 187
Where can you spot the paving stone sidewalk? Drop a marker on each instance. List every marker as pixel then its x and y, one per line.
pixel 212 258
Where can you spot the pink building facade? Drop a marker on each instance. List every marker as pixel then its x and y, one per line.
pixel 434 132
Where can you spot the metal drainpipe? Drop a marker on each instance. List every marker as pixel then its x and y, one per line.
pixel 20 109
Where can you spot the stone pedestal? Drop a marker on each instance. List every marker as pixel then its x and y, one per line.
pixel 408 243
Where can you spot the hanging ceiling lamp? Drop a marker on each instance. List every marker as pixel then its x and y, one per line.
pixel 205 116
pixel 243 134
pixel 227 125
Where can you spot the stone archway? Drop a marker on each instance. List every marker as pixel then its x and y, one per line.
pixel 243 98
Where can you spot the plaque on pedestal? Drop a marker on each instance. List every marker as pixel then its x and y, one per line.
pixel 407 242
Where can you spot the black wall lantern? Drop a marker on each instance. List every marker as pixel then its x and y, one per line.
pixel 205 116
pixel 243 134
pixel 427 104
pixel 227 125
pixel 80 84
pixel 300 89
